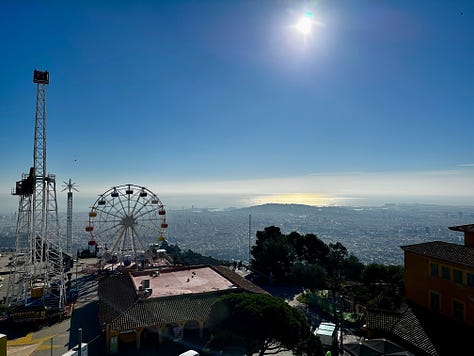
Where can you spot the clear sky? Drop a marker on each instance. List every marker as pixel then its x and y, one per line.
pixel 226 103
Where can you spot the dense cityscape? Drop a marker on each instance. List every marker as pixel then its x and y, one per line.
pixel 373 234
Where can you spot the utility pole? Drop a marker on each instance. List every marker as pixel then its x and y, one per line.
pixel 79 350
pixel 250 236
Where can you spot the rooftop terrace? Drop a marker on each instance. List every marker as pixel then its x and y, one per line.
pixel 185 281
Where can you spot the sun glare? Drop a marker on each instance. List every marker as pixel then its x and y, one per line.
pixel 304 25
pixel 307 199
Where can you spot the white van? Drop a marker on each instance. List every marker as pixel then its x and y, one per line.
pixel 189 353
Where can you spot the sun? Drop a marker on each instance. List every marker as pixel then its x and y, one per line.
pixel 305 25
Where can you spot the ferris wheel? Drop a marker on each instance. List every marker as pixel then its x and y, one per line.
pixel 125 220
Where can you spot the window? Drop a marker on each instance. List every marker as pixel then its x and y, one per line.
pixel 434 270
pixel 457 276
pixel 434 301
pixel 446 273
pixel 470 279
pixel 458 310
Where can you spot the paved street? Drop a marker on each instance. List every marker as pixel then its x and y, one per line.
pixel 55 340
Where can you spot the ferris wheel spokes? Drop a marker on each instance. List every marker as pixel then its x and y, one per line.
pixel 127 218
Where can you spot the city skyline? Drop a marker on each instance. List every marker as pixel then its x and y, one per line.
pixel 230 104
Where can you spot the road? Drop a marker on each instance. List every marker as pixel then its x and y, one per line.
pixel 58 338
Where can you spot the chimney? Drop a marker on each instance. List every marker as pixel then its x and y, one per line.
pixel 469 238
pixel 146 283
pixel 468 233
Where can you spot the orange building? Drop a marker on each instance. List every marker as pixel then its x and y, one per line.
pixel 440 276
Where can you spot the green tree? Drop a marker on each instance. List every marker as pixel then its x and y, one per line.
pixel 296 240
pixel 309 248
pixel 352 268
pixel 337 253
pixel 272 254
pixel 308 276
pixel 297 258
pixel 374 274
pixel 260 323
pixel 316 250
pixel 384 285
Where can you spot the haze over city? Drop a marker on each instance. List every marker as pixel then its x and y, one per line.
pixel 233 103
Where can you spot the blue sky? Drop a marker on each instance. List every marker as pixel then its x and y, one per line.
pixel 225 103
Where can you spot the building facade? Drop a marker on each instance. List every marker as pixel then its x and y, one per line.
pixel 172 303
pixel 439 276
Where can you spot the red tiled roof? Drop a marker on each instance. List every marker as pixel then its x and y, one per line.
pixel 116 294
pixel 403 324
pixel 120 306
pixel 454 253
pixel 239 280
pixel 166 310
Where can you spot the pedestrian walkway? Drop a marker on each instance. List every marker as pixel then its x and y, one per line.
pixel 58 338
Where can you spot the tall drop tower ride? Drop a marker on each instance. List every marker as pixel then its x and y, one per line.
pixel 37 272
pixel 69 186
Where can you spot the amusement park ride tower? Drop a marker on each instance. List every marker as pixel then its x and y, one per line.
pixel 37 272
pixel 69 186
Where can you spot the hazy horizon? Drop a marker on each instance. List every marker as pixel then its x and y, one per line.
pixel 82 204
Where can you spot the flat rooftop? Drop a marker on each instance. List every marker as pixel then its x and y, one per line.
pixel 325 329
pixel 185 281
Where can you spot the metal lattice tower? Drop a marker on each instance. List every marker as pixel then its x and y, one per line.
pixel 37 273
pixel 69 186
